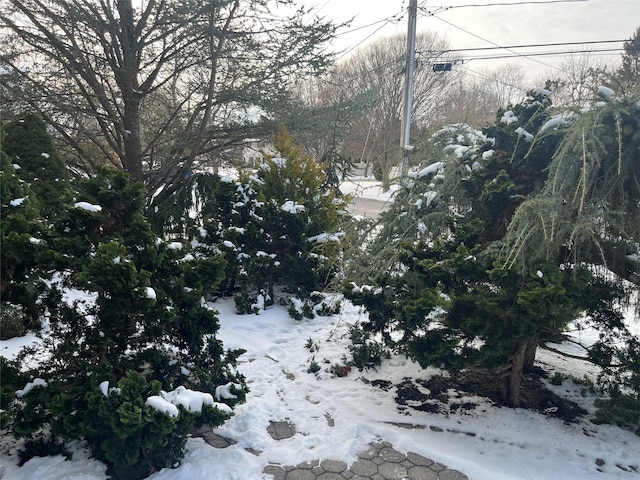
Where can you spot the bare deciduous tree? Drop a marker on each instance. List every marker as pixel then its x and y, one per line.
pixel 379 67
pixel 151 86
pixel 477 96
pixel 576 80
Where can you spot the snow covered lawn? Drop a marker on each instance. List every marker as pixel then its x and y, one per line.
pixel 336 417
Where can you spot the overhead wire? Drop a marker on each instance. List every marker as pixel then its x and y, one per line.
pixel 491 42
pixel 534 45
pixel 501 4
pixel 548 54
pixel 395 18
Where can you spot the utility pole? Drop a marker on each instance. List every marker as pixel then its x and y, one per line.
pixel 407 106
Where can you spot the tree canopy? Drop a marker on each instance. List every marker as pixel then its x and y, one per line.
pixel 156 87
pixel 507 237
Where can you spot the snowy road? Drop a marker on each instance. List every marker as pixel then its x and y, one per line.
pixel 367 207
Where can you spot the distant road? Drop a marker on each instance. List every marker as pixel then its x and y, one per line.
pixel 367 207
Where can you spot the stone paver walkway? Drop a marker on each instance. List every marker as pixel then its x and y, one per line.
pixel 378 462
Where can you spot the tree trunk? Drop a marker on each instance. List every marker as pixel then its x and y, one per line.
pixel 132 140
pixel 128 83
pixel 513 379
pixel 386 173
pixel 530 355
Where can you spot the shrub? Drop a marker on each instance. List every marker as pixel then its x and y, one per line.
pixel 621 410
pixel 148 333
pixel 365 353
pixel 280 227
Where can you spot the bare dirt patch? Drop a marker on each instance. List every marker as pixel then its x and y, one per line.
pixel 452 393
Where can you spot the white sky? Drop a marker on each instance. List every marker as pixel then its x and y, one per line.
pixel 503 25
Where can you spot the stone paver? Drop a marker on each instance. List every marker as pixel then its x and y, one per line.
pixel 378 462
pixel 422 473
pixel 333 466
pixel 281 430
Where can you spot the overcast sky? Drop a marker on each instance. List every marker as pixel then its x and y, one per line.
pixel 515 22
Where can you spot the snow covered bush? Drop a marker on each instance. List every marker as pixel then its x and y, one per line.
pixel 282 228
pixel 484 256
pixel 127 321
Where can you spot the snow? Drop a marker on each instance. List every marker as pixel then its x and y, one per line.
pixel 224 391
pixel 434 167
pixel 151 293
pixel 291 207
pixel 17 201
pixel 544 92
pixel 37 382
pixel 174 246
pixel 606 92
pixel 488 443
pixel 88 206
pixel 508 117
pixel 458 150
pixel 367 187
pixel 190 400
pixel 554 122
pixel 488 154
pixel 523 133
pixel 326 237
pixel 104 388
pixel 162 405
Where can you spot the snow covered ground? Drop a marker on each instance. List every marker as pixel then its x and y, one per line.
pixel 336 417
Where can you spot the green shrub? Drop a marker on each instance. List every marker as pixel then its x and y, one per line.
pixel 147 329
pixel 117 423
pixel 365 353
pixel 557 378
pixel 277 227
pixel 314 367
pixel 621 410
pixel 11 379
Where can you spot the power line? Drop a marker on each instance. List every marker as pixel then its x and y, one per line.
pixel 500 4
pixel 534 45
pixel 473 73
pixel 548 54
pixel 385 20
pixel 493 43
pixel 391 19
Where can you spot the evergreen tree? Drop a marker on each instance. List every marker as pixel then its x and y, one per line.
pixel 587 213
pixel 41 167
pixel 277 227
pixel 448 291
pixel 145 337
pixel 21 251
pixel 630 70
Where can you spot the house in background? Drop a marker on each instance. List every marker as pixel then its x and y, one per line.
pixel 252 152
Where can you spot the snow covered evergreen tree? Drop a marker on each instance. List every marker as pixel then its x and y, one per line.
pixel 34 188
pixel 279 226
pixel 31 148
pixel 146 364
pixel 448 290
pixel 21 252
